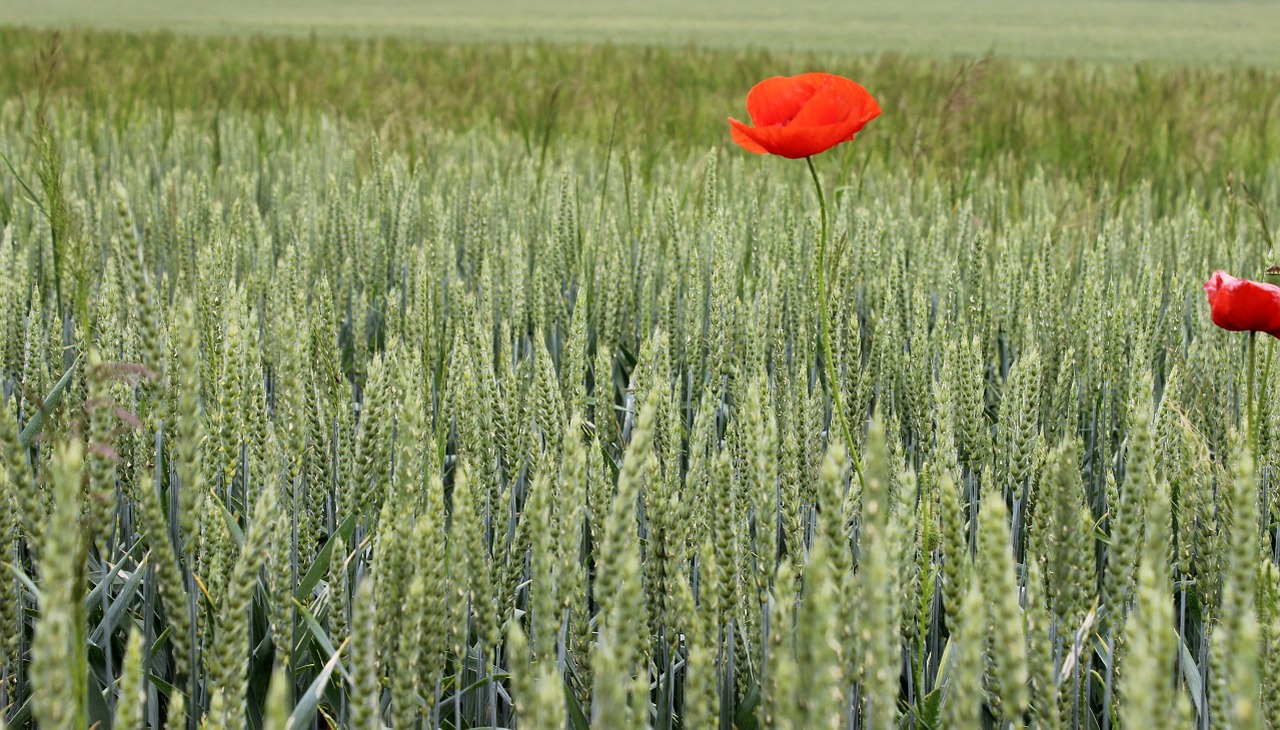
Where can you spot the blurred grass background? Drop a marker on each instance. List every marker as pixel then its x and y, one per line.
pixel 954 121
pixel 1178 31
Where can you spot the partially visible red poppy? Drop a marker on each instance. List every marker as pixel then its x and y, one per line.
pixel 1241 305
pixel 800 116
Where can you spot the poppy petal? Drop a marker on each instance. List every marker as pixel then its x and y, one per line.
pixel 742 134
pixel 779 99
pixel 797 142
pixel 1240 305
pixel 837 100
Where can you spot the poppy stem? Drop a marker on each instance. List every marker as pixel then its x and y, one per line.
pixel 1253 401
pixel 1264 381
pixel 827 360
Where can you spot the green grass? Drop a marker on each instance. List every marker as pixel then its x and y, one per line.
pixel 953 121
pixel 1176 31
pixel 481 385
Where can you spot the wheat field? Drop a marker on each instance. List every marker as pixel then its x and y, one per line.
pixel 385 382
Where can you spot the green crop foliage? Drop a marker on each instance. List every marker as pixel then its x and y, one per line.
pixel 367 383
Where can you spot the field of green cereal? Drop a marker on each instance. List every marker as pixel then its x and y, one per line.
pixel 365 381
pixel 1180 31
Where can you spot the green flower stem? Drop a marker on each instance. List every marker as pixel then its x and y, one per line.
pixel 827 360
pixel 1253 400
pixel 1263 385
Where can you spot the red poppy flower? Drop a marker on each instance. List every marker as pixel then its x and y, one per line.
pixel 1241 305
pixel 800 116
